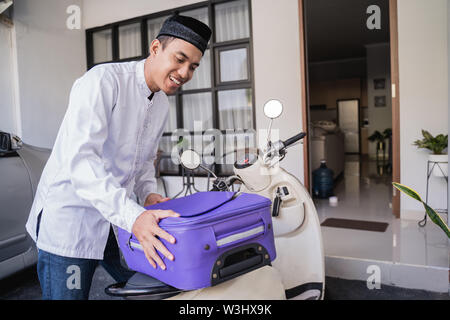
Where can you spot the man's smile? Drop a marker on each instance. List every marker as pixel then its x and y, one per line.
pixel 178 82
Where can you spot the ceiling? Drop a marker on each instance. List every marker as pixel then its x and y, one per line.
pixel 336 29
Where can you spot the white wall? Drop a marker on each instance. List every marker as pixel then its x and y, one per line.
pixel 101 12
pixel 50 57
pixel 276 57
pixel 276 47
pixel 423 62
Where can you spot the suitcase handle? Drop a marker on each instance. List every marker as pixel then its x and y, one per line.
pixel 241 235
pixel 238 261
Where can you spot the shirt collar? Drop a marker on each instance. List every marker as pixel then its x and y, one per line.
pixel 141 78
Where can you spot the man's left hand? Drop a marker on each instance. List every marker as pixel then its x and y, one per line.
pixel 154 198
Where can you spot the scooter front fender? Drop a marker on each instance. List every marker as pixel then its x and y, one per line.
pixel 261 284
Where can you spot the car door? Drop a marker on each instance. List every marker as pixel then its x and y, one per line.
pixel 15 203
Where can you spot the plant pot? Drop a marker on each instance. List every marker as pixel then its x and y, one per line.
pixel 440 163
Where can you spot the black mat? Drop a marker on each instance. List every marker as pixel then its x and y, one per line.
pixel 355 224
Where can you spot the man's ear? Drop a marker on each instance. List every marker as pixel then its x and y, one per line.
pixel 155 46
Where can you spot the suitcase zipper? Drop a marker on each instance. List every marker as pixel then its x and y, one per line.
pixel 206 218
pixel 220 242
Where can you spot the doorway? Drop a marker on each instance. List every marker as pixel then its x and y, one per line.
pixel 350 71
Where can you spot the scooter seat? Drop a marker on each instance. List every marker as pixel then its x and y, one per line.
pixel 142 286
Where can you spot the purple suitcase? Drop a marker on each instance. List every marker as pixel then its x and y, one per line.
pixel 220 235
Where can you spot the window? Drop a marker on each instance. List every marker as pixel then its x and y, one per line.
pixel 214 112
pixel 102 41
pixel 130 41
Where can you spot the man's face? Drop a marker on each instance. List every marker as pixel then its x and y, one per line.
pixel 172 66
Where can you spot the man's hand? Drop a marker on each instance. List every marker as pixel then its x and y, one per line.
pixel 146 230
pixel 154 198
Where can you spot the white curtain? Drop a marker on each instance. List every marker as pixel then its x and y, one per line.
pixel 166 145
pixel 102 45
pixel 199 14
pixel 235 109
pixel 130 41
pixel 233 65
pixel 153 27
pixel 202 75
pixel 9 111
pixel 232 21
pixel 171 123
pixel 197 107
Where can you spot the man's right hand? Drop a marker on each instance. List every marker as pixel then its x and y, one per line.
pixel 146 229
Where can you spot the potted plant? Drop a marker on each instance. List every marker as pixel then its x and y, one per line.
pixel 436 145
pixel 379 138
pixel 387 133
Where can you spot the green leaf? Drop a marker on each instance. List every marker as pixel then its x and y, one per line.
pixel 427 135
pixel 408 191
pixel 387 133
pixel 435 144
pixel 436 218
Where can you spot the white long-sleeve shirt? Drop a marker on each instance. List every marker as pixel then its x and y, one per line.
pixel 103 156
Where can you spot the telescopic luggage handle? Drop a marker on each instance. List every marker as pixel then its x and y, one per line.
pixel 240 235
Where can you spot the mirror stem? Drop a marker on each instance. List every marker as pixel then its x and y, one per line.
pixel 269 132
pixel 204 168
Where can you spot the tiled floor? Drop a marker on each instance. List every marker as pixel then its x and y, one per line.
pixel 407 255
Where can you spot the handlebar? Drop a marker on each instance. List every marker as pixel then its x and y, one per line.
pixel 222 184
pixel 294 139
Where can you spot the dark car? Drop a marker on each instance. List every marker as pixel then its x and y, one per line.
pixel 21 166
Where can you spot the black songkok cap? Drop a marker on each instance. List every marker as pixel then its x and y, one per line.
pixel 188 29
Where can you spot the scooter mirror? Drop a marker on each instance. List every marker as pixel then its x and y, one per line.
pixel 190 159
pixel 273 109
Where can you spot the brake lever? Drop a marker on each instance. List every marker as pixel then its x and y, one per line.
pixel 277 203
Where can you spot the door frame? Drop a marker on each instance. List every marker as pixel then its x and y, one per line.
pixel 305 94
pixel 393 30
pixel 395 82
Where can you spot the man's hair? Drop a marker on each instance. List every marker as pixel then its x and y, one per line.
pixel 165 40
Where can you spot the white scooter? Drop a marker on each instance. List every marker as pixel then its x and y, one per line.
pixel 298 272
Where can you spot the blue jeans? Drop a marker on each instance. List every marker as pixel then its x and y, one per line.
pixel 64 278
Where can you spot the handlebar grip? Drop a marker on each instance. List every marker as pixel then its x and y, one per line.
pixel 294 139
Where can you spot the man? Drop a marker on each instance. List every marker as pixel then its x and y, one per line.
pixel 103 156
